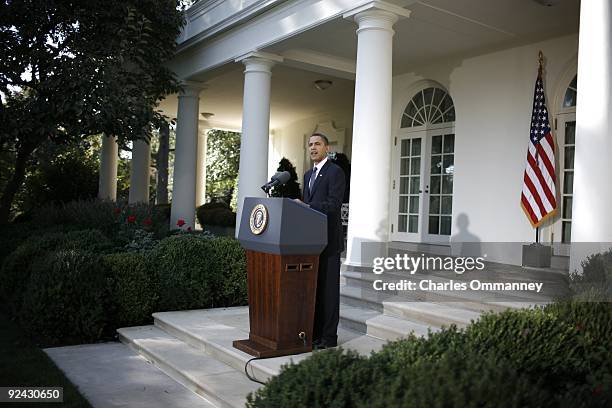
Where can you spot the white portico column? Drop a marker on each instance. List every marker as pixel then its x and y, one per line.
pixel 140 172
pixel 201 166
pixel 253 170
pixel 185 154
pixel 107 186
pixel 369 200
pixel 591 216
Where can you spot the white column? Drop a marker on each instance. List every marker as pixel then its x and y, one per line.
pixel 201 167
pixel 368 230
pixel 591 216
pixel 185 153
pixel 253 170
pixel 107 186
pixel 140 172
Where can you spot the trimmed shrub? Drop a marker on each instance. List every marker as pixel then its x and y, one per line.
pixel 332 378
pixel 17 267
pixel 595 281
pixel 218 213
pixel 185 273
pixel 199 271
pixel 547 357
pixel 228 257
pixel 133 288
pixel 66 300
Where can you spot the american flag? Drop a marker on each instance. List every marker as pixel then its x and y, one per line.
pixel 539 192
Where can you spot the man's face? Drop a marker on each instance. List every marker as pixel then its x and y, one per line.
pixel 318 149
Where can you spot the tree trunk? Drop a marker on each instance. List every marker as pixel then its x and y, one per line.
pixel 13 185
pixel 162 164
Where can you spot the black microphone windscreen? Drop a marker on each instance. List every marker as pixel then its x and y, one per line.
pixel 284 177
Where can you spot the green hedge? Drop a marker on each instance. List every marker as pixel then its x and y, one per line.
pixel 66 300
pixel 546 357
pixel 219 214
pixel 196 271
pixel 17 267
pixel 134 288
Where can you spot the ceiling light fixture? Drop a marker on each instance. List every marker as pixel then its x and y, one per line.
pixel 322 84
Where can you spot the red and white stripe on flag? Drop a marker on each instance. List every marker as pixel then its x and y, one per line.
pixel 538 198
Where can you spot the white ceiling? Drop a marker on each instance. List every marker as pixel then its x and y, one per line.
pixel 436 29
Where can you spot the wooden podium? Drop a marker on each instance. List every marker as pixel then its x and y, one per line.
pixel 283 240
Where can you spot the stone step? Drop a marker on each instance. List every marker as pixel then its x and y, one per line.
pixel 378 325
pixel 560 262
pixel 420 312
pixel 217 382
pixel 212 331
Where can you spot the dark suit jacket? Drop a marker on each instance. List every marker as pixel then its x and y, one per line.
pixel 326 196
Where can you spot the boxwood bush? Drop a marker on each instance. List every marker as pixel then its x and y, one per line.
pixel 218 213
pixel 17 267
pixel 66 300
pixel 545 357
pixel 133 288
pixel 194 272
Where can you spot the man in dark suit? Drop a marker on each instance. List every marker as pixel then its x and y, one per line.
pixel 324 186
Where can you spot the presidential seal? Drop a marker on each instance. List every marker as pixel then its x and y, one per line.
pixel 259 219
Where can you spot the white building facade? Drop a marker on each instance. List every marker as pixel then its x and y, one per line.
pixel 431 100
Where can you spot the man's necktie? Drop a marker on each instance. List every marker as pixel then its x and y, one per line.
pixel 313 177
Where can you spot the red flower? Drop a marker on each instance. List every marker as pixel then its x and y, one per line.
pixel 189 229
pixel 117 210
pixel 131 219
pixel 147 221
pixel 180 222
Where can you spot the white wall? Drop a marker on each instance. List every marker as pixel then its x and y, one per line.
pixel 493 97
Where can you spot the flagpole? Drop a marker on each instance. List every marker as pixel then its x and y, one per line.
pixel 537 235
pixel 540 68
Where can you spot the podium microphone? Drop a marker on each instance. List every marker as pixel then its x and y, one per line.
pixel 280 178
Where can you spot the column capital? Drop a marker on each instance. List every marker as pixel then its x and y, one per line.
pixel 257 61
pixel 191 88
pixel 378 15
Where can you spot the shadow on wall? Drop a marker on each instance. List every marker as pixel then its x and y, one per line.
pixel 465 243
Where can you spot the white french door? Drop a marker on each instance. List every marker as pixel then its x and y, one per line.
pixel 422 185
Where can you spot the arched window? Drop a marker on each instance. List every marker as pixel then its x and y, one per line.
pixel 569 100
pixel 429 107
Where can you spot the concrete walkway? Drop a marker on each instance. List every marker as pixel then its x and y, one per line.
pixel 112 375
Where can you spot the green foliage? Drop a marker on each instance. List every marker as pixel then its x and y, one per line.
pixel 62 173
pixel 18 266
pixel 546 357
pixel 119 221
pixel 595 281
pixel 184 273
pixel 218 213
pixel 133 288
pixel 66 300
pixel 292 188
pixel 332 378
pixel 222 160
pixel 229 258
pixel 95 67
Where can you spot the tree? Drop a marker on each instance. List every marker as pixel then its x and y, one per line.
pixel 342 160
pixel 222 161
pixel 72 69
pixel 292 188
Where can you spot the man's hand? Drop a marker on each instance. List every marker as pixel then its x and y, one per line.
pixel 297 200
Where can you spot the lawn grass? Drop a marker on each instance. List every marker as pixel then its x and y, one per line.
pixel 23 364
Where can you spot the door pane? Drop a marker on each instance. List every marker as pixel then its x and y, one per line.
pixel 436 164
pixel 566 232
pixel 413 223
pixel 403 204
pixel 434 225
pixel 567 207
pixel 414 204
pixel 569 158
pixel 436 145
pixel 445 225
pixel 416 147
pixel 434 204
pixel 449 143
pixel 404 185
pixel 402 223
pixel 414 185
pixel 404 166
pixel 568 182
pixel 415 166
pixel 447 184
pixel 447 205
pixel 434 184
pixel 570 133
